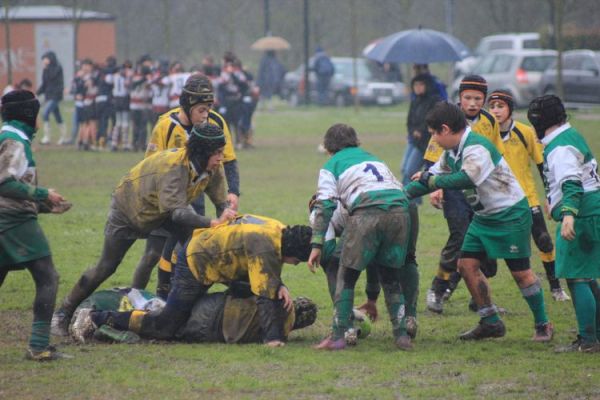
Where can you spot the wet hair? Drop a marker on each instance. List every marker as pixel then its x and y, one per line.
pixel 295 242
pixel 445 113
pixel 339 137
pixel 205 140
pixel 305 312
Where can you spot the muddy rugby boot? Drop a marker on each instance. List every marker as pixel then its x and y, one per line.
pixel 484 330
pixel 48 354
pixel 543 332
pixel 579 345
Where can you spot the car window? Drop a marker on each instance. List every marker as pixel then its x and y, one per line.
pixel 502 64
pixel 485 65
pixel 531 44
pixel 537 63
pixel 343 70
pixel 572 62
pixel 501 45
pixel 588 64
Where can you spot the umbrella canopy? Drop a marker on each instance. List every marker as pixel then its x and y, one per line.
pixel 418 46
pixel 271 43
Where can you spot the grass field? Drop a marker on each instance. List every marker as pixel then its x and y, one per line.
pixel 278 177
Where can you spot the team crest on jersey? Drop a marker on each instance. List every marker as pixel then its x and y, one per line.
pixel 514 248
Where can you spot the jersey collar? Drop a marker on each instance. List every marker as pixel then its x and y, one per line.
pixel 11 128
pixel 557 131
pixel 454 153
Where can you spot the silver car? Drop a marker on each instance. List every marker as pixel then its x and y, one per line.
pixel 519 71
pixel 580 76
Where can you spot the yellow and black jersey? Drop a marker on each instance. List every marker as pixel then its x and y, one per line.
pixel 247 248
pixel 520 147
pixel 158 185
pixel 485 124
pixel 168 133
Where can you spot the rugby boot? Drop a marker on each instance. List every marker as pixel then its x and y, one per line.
pixel 82 329
pixel 434 302
pixel 60 323
pixel 404 343
pixel 579 345
pixel 484 330
pixel 559 294
pixel 543 332
pixel 48 354
pixel 329 344
pixel 411 326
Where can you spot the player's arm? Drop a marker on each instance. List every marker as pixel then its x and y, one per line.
pixel 157 140
pixel 14 162
pixel 566 165
pixel 216 190
pixel 325 206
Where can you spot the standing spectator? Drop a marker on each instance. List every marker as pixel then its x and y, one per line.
pixel 77 90
pixel 160 92
pixel 121 89
pixel 175 82
pixel 270 75
pixel 88 119
pixel 139 104
pixel 232 83
pixel 104 99
pixel 418 135
pixel 52 88
pixel 209 68
pixel 440 87
pixel 324 69
pixel 250 94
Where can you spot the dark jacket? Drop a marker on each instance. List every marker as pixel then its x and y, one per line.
pixel 52 79
pixel 418 110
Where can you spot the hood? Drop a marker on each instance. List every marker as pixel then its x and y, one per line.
pixel 51 56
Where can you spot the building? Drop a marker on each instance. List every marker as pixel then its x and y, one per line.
pixel 35 30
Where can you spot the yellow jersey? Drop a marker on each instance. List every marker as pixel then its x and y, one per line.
pixel 520 147
pixel 485 124
pixel 169 133
pixel 247 248
pixel 158 185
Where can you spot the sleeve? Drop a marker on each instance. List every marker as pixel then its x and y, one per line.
pixel 14 162
pixel 264 266
pixel 233 176
pixel 325 205
pixel 477 163
pixel 271 316
pixel 566 163
pixel 216 190
pixel 155 143
pixel 228 151
pixel 172 190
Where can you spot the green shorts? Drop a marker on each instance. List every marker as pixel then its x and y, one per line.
pixel 579 258
pixel 506 241
pixel 372 234
pixel 23 243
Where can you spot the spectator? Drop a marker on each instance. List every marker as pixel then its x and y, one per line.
pixel 270 76
pixel 52 88
pixel 440 87
pixel 324 69
pixel 121 89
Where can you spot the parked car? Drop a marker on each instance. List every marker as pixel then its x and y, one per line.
pixel 580 77
pixel 519 71
pixel 487 44
pixel 369 90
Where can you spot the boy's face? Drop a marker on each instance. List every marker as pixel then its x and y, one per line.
pixel 471 102
pixel 215 160
pixel 419 88
pixel 500 110
pixel 445 137
pixel 199 113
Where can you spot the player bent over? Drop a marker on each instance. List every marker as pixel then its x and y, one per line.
pixel 573 193
pixel 156 193
pixel 501 224
pixel 377 231
pixel 249 248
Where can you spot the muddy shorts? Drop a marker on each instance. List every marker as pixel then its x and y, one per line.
pixel 118 226
pixel 580 257
pixel 373 234
pixel 23 243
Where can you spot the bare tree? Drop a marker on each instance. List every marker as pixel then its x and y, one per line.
pixel 9 77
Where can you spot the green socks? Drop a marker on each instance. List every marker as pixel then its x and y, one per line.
pixel 585 305
pixel 343 312
pixel 534 296
pixel 409 276
pixel 40 335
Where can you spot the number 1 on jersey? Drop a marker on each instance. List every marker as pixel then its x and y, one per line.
pixel 373 169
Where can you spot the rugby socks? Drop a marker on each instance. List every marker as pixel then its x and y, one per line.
pixel 409 278
pixel 534 295
pixel 40 335
pixel 596 291
pixel 489 314
pixel 343 313
pixel 549 268
pixel 585 308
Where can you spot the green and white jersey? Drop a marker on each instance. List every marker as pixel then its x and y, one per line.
pixel 567 157
pixel 496 188
pixel 357 179
pixel 334 230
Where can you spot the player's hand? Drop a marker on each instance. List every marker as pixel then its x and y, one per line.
pixel 547 209
pixel 275 343
pixel 234 201
pixel 369 307
pixel 437 198
pixel 284 294
pixel 416 176
pixel 567 229
pixel 54 198
pixel 228 215
pixel 313 259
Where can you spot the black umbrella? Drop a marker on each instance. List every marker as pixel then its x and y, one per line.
pixel 417 46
